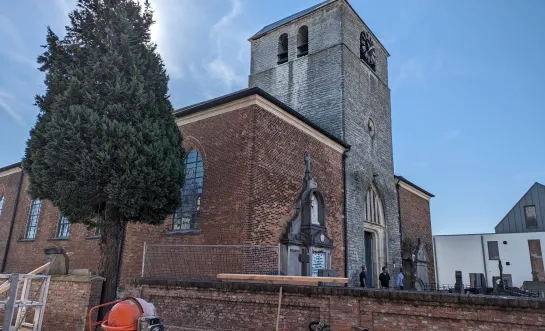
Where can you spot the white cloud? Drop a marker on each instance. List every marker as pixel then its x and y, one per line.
pixel 411 71
pixel 7 29
pixel 5 103
pixel 453 134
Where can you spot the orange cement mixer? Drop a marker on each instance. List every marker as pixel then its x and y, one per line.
pixel 130 314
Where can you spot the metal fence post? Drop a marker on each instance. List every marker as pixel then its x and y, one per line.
pixel 143 259
pixel 279 259
pixel 10 303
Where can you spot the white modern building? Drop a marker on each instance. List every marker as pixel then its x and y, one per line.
pixel 480 253
pixel 517 243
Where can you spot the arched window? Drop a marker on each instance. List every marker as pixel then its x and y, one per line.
pixel 373 207
pixel 302 41
pixel 63 228
pixel 187 216
pixel 283 48
pixel 1 204
pixel 32 226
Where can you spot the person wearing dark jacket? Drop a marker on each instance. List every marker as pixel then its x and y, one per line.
pixel 384 278
pixel 363 276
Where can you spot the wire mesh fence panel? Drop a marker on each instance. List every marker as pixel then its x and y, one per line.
pixel 204 262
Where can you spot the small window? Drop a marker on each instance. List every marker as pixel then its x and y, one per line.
pixel 283 48
pixel 530 215
pixel 493 251
pixel 302 41
pixel 1 204
pixel 187 216
pixel 63 228
pixel 32 226
pixel 99 223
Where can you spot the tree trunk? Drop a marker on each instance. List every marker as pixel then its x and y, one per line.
pixel 112 233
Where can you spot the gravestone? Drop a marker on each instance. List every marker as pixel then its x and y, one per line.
pixel 58 259
pixel 306 246
pixel 459 286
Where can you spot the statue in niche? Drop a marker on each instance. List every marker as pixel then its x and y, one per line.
pixel 421 266
pixel 306 246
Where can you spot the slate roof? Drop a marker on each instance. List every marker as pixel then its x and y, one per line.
pixel 289 19
pixel 198 107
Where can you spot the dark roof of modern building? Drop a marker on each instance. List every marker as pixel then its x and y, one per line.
pixel 414 185
pixel 11 166
pixel 289 19
pixel 246 93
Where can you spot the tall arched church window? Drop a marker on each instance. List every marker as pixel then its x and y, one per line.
pixel 1 204
pixel 283 48
pixel 32 225
pixel 302 41
pixel 187 216
pixel 373 207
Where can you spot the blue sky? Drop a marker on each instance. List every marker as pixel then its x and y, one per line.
pixel 467 84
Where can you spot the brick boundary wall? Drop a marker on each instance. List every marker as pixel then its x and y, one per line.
pixel 68 302
pixel 244 306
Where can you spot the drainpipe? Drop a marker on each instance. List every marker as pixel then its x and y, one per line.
pixel 12 222
pixel 484 262
pixel 344 213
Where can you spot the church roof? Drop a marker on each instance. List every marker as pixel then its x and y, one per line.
pixel 249 92
pixel 290 18
pixel 11 166
pixel 401 178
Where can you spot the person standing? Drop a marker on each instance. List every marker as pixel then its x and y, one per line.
pixel 384 278
pixel 399 280
pixel 363 277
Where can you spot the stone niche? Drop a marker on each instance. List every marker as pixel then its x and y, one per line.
pixel 305 245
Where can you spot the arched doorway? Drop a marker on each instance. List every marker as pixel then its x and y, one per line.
pixel 374 236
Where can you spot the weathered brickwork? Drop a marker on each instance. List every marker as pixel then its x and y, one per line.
pixel 25 255
pixel 416 224
pixel 339 92
pixel 254 166
pixel 253 173
pixel 9 185
pixel 68 301
pixel 232 306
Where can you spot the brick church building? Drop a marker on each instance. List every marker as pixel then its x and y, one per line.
pixel 302 159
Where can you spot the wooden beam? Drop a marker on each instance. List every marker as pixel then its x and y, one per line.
pixel 5 286
pixel 273 279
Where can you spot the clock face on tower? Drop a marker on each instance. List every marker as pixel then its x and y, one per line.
pixel 367 49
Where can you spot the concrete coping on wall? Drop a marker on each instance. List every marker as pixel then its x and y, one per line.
pixel 447 298
pixel 77 278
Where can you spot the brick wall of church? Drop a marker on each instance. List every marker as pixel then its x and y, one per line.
pixel 9 184
pixel 254 166
pixel 27 254
pixel 416 223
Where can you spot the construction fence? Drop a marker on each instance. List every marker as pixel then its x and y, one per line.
pixel 204 262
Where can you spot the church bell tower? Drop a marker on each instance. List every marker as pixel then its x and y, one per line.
pixel 325 63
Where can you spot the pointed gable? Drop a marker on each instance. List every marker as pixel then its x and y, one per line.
pixel 528 215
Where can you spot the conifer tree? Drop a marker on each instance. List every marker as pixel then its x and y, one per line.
pixel 105 149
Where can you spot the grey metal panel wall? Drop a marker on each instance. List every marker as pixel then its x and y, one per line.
pixel 515 221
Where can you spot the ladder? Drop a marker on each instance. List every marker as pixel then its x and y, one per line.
pixel 22 304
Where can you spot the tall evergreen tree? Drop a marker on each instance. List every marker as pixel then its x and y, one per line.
pixel 105 146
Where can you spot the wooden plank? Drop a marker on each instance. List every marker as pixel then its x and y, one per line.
pixel 273 279
pixel 5 286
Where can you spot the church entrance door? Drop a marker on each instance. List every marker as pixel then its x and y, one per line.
pixel 369 260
